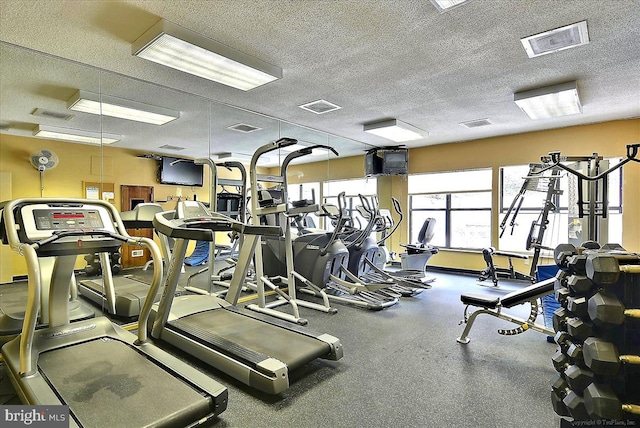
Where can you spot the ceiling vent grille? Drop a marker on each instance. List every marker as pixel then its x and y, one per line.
pixel 320 107
pixel 476 123
pixel 169 147
pixel 243 127
pixel 52 114
pixel 556 40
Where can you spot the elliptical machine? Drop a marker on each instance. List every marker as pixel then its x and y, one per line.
pixel 365 255
pixel 275 258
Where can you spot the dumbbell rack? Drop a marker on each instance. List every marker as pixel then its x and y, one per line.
pixel 598 335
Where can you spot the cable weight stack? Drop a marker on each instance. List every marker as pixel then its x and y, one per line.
pixel 598 334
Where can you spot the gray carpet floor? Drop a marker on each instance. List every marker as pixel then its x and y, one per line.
pixel 402 367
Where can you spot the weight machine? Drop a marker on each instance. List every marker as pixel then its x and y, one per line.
pixel 534 181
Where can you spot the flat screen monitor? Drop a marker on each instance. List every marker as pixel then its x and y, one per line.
pixel 183 172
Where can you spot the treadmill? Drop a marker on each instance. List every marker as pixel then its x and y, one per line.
pixel 105 374
pixel 258 350
pixel 13 298
pixel 122 295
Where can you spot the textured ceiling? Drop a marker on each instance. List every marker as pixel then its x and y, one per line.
pixel 376 59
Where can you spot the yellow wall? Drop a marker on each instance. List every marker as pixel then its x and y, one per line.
pixel 120 166
pixel 78 163
pixel 609 139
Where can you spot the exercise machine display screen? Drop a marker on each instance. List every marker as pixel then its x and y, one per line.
pixel 67 219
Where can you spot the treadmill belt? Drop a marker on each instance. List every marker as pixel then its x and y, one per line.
pixel 293 349
pixel 107 383
pixel 123 284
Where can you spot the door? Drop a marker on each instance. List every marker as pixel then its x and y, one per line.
pixel 133 256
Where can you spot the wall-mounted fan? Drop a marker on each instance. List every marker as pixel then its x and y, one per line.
pixel 43 160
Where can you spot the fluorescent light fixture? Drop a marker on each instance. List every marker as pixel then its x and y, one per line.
pixel 556 40
pixel 177 47
pixel 75 135
pixel 445 5
pixel 551 101
pixel 88 102
pixel 394 130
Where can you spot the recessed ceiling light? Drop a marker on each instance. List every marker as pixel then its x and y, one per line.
pixel 556 40
pixel 320 107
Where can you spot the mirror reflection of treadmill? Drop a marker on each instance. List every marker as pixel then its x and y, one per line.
pixel 123 295
pixel 258 350
pixel 105 374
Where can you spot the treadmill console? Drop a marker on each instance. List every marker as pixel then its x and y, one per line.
pixel 39 221
pixel 192 209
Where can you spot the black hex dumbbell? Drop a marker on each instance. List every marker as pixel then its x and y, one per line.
pixel 579 329
pixel 608 311
pixel 559 319
pixel 604 269
pixel 578 378
pixel 610 246
pixel 602 403
pixel 603 358
pixel 562 294
pixel 579 284
pixel 568 347
pixel 576 263
pixel 565 401
pixel 578 306
pixel 562 252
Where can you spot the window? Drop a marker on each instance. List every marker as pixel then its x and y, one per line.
pixel 563 222
pixel 460 202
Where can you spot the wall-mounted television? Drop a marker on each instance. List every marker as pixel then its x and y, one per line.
pixel 393 161
pixel 183 172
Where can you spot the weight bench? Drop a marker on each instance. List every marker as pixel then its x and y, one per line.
pixel 493 306
pixel 494 272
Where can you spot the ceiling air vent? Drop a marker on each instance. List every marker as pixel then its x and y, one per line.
pixel 320 107
pixel 556 40
pixel 476 123
pixel 243 127
pixel 169 147
pixel 52 114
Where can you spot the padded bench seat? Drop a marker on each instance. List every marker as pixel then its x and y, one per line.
pixel 484 301
pixel 514 298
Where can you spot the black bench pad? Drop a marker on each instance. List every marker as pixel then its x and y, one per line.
pixel 484 301
pixel 531 292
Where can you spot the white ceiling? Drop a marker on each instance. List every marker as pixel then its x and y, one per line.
pixel 376 59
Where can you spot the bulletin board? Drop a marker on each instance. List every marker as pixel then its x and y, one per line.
pixel 99 190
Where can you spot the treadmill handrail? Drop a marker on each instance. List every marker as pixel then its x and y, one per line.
pixel 204 228
pixel 34 281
